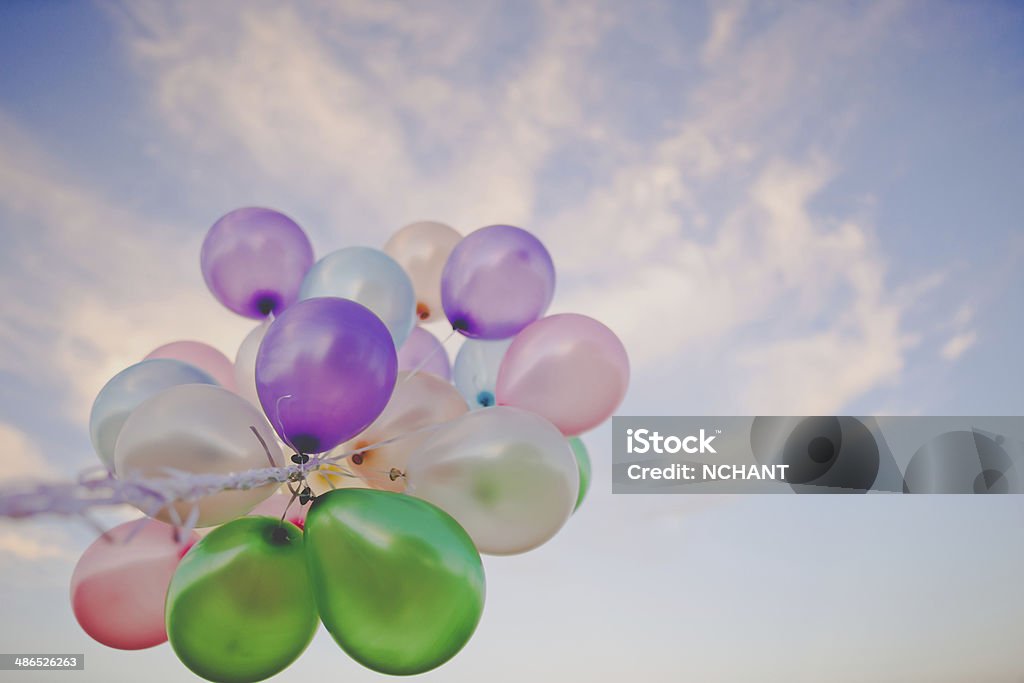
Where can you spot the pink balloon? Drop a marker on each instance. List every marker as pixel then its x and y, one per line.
pixel 423 345
pixel 203 356
pixel 119 584
pixel 276 504
pixel 568 368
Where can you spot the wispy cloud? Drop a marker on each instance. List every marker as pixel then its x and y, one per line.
pixel 107 282
pixel 959 344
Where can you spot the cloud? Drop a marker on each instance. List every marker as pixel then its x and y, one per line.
pixel 390 132
pixel 22 545
pixel 958 345
pixel 20 459
pixel 369 115
pixel 108 284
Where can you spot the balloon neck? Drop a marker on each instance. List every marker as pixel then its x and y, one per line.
pixel 422 310
pixel 460 324
pixel 306 443
pixel 360 457
pixel 279 535
pixel 485 399
pixel 266 305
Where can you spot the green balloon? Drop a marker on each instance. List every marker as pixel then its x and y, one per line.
pixel 399 583
pixel 583 463
pixel 239 607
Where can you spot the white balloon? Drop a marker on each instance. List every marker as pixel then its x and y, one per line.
pixel 507 476
pixel 130 388
pixel 475 373
pixel 245 362
pixel 199 429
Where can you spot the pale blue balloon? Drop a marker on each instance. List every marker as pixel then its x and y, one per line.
pixel 129 388
pixel 475 372
pixel 369 277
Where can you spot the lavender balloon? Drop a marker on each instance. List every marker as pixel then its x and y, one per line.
pixel 325 370
pixel 497 281
pixel 254 260
pixel 424 351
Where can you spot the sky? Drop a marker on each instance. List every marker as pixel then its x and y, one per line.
pixel 780 207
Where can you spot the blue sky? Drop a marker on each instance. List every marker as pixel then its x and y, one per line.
pixel 780 208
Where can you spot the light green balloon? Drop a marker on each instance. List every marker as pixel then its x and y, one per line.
pixel 399 584
pixel 583 463
pixel 239 607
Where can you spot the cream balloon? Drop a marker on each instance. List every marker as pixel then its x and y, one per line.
pixel 245 362
pixel 420 400
pixel 331 477
pixel 422 249
pixel 198 429
pixel 507 476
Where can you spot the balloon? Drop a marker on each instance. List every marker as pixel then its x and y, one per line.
pixel 497 281
pixel 424 351
pixel 119 583
pixel 422 250
pixel 476 370
pixel 419 401
pixel 245 362
pixel 371 278
pixel 333 476
pixel 324 372
pixel 506 475
pixel 569 368
pixel 202 356
pixel 254 259
pixel 126 390
pixel 277 503
pixel 583 464
pixel 240 607
pixel 398 582
pixel 199 429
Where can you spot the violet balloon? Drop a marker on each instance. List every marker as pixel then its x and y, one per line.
pixel 119 583
pixel 202 356
pixel 424 351
pixel 324 371
pixel 497 281
pixel 568 368
pixel 254 259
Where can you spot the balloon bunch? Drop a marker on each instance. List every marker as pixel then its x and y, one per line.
pixel 396 479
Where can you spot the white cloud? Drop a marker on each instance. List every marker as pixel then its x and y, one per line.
pixel 959 344
pixel 20 459
pixel 22 544
pixel 108 284
pixel 704 232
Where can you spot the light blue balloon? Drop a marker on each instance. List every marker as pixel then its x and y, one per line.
pixel 369 277
pixel 475 372
pixel 129 388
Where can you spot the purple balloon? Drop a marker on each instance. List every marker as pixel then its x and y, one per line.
pixel 423 348
pixel 497 281
pixel 324 372
pixel 254 259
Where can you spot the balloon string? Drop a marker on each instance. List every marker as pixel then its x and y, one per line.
pixel 429 356
pixel 385 442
